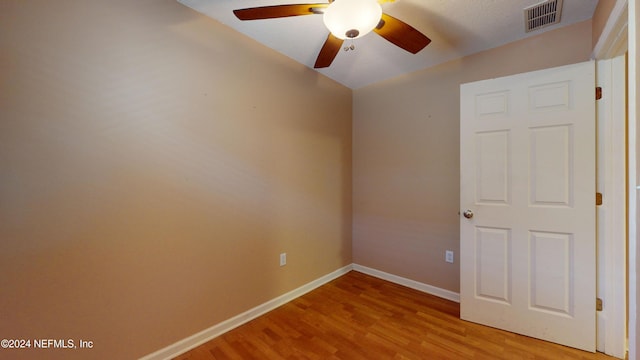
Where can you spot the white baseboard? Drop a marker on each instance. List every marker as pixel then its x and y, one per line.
pixel 202 337
pixel 429 289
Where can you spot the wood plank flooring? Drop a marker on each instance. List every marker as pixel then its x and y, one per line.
pixel 361 317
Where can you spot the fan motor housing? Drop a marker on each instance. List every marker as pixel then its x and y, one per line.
pixel 352 33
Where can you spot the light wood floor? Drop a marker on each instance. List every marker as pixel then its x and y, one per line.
pixel 361 317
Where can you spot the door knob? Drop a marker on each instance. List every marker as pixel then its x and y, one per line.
pixel 468 214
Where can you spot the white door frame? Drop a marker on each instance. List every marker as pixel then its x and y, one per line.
pixel 612 257
pixel 613 40
pixel 611 215
pixel 634 178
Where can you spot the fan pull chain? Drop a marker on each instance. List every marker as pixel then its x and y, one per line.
pixel 350 47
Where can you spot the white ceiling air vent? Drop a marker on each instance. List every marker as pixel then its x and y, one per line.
pixel 543 14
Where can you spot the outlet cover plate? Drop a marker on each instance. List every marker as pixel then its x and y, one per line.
pixel 283 259
pixel 448 256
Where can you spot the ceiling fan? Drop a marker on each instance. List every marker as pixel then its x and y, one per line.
pixel 345 19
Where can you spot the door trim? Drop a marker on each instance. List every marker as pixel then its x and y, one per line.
pixel 611 215
pixel 634 179
pixel 613 40
pixel 612 322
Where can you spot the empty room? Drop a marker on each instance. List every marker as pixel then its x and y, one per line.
pixel 349 179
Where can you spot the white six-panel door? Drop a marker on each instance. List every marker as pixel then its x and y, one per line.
pixel 527 160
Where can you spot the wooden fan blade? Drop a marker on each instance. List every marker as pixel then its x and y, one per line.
pixel 278 11
pixel 328 52
pixel 401 34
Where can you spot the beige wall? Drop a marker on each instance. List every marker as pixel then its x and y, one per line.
pixel 406 155
pixel 154 164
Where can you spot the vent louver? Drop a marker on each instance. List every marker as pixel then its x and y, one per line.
pixel 543 14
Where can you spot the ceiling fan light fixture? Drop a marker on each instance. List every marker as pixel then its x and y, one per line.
pixel 351 19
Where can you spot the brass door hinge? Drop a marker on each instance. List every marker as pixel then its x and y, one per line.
pixel 598 198
pixel 598 304
pixel 598 93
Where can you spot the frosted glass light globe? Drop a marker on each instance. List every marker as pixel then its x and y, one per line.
pixel 351 19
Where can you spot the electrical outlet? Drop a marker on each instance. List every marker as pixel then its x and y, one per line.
pixel 448 256
pixel 283 259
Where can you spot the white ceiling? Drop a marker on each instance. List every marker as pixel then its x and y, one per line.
pixel 456 28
